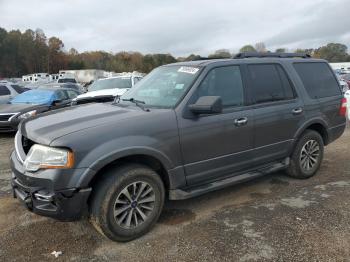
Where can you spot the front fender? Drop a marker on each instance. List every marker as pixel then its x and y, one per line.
pixel 113 150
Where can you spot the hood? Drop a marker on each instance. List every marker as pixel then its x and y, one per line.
pixel 104 92
pixel 48 126
pixel 16 108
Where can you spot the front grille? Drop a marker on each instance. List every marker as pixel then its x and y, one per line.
pixel 5 117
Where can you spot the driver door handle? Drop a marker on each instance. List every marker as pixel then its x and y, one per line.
pixel 297 111
pixel 241 121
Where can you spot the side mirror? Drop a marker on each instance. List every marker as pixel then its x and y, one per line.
pixel 207 105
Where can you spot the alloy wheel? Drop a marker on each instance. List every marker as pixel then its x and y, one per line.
pixel 309 155
pixel 134 204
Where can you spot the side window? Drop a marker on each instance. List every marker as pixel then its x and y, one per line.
pixel 60 95
pixel 318 79
pixel 269 83
pixel 4 91
pixel 18 89
pixel 225 82
pixel 71 94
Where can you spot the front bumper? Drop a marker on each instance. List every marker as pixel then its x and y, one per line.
pixel 39 194
pixel 66 205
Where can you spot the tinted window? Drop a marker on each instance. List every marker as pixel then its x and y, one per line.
pixel 4 91
pixel 318 79
pixel 60 95
pixel 66 80
pixel 18 89
pixel 269 83
pixel 225 82
pixel 71 94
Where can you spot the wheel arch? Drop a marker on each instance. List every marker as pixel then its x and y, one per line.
pixel 145 156
pixel 317 125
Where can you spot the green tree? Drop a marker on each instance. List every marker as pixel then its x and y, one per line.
pixel 280 50
pixel 247 48
pixel 221 53
pixel 333 52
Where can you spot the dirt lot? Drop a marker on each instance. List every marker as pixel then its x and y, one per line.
pixel 272 218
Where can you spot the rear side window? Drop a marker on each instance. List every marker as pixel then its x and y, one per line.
pixel 4 91
pixel 225 82
pixel 269 83
pixel 318 79
pixel 18 89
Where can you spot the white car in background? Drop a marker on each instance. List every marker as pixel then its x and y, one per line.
pixel 347 96
pixel 104 90
pixel 9 90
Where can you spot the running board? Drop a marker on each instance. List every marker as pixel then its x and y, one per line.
pixel 178 194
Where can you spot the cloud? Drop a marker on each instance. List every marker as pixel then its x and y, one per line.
pixel 328 22
pixel 180 27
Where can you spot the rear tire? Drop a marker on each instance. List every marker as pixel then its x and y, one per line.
pixel 307 155
pixel 127 203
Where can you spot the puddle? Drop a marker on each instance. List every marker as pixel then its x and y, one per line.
pixel 176 216
pixel 340 183
pixel 296 202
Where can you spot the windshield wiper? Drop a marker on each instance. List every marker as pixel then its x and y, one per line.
pixel 138 103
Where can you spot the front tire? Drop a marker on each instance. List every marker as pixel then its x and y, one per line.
pixel 127 203
pixel 307 155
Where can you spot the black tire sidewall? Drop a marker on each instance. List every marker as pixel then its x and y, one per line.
pixel 112 187
pixel 298 171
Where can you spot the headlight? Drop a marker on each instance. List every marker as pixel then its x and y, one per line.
pixel 27 114
pixel 48 157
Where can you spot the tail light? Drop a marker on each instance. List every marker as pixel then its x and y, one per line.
pixel 342 111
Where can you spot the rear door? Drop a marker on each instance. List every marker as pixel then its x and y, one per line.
pixel 323 90
pixel 215 146
pixel 278 111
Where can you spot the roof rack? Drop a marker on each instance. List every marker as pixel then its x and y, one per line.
pixel 261 55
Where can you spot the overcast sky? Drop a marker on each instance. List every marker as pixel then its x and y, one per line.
pixel 182 27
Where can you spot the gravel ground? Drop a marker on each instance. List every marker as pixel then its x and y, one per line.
pixel 274 218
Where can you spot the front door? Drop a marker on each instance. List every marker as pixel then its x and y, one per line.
pixel 215 146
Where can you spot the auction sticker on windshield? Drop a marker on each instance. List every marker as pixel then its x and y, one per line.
pixel 188 70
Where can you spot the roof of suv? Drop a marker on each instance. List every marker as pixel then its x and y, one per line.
pixel 202 63
pixel 253 58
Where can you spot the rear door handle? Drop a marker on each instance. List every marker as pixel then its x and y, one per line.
pixel 297 111
pixel 241 121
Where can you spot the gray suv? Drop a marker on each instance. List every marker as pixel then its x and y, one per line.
pixel 186 129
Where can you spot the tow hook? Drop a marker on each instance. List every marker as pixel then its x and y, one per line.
pixel 28 201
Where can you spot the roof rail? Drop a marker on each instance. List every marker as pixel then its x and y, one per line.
pixel 280 55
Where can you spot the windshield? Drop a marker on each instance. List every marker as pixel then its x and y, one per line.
pixel 66 80
pixel 122 82
pixel 35 97
pixel 164 86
